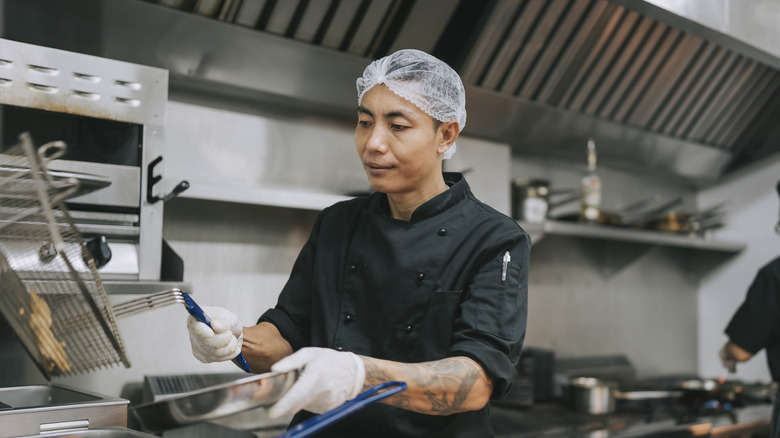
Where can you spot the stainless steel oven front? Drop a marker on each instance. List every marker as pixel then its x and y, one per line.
pixel 111 115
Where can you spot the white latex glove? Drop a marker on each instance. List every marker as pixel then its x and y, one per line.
pixel 220 342
pixel 329 379
pixel 728 362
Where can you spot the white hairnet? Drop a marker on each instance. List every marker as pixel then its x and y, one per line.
pixel 422 79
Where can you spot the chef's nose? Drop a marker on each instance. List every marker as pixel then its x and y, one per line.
pixel 377 140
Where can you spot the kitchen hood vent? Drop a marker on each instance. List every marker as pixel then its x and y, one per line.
pixel 660 93
pixel 591 57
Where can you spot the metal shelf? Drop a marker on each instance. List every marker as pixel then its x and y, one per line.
pixel 258 195
pixel 604 232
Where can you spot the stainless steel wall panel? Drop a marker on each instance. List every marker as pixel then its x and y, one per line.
pixel 537 41
pixel 425 23
pixel 512 44
pixel 489 40
pixel 758 23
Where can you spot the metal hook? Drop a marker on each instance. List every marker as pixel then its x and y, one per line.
pixel 152 179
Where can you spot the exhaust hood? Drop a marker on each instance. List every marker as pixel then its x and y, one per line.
pixel 659 92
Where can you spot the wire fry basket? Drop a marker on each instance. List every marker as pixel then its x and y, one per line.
pixel 50 290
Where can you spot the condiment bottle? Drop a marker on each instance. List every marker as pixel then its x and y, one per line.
pixel 590 186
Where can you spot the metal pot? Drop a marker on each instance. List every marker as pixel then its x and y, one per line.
pixel 530 199
pixel 592 396
pixel 597 397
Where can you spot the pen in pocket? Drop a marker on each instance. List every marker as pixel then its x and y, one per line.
pixel 507 259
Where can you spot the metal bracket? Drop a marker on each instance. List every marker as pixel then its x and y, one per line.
pixel 152 179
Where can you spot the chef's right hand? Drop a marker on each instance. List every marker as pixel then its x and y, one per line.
pixel 728 362
pixel 220 342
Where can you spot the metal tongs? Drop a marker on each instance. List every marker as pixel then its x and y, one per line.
pixel 316 424
pixel 165 298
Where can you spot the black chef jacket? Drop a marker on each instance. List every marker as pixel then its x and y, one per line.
pixel 756 324
pixel 422 290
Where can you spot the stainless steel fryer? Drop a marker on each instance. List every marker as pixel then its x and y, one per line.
pixel 36 409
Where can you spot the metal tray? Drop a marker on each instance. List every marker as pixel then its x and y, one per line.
pixel 108 432
pixel 35 409
pixel 261 390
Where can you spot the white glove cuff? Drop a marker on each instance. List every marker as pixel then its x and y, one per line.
pixel 360 376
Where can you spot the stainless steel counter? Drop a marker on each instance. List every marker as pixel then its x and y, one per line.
pixel 556 420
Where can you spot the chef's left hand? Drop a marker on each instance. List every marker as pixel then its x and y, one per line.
pixel 329 378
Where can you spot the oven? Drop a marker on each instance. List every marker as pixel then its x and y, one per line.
pixel 111 116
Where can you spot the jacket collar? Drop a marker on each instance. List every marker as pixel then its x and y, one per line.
pixel 458 190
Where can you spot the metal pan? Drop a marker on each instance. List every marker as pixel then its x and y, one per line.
pixel 597 396
pixel 216 401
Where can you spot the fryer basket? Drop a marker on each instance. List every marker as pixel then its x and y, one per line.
pixel 50 291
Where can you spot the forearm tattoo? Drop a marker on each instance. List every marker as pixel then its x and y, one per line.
pixel 440 387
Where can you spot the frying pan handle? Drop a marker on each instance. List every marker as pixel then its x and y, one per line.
pixel 315 424
pixel 201 316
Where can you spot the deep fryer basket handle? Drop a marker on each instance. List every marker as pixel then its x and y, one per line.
pixel 315 424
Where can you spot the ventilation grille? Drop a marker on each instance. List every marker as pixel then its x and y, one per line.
pixel 589 56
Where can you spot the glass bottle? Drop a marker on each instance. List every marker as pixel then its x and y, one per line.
pixel 590 186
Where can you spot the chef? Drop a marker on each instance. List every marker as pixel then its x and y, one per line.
pixel 418 282
pixel 756 326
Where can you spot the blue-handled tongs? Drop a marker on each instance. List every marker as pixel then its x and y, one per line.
pixel 316 424
pixel 201 316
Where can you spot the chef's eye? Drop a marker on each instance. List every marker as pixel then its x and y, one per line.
pixel 398 127
pixel 364 123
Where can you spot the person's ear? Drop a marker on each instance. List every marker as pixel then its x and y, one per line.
pixel 448 133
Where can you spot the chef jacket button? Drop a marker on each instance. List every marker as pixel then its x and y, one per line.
pixel 340 348
pixel 348 317
pixel 442 231
pixel 353 268
pixel 420 276
pixel 408 329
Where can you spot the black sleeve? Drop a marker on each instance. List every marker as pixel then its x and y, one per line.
pixel 491 326
pixel 756 324
pixel 292 314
